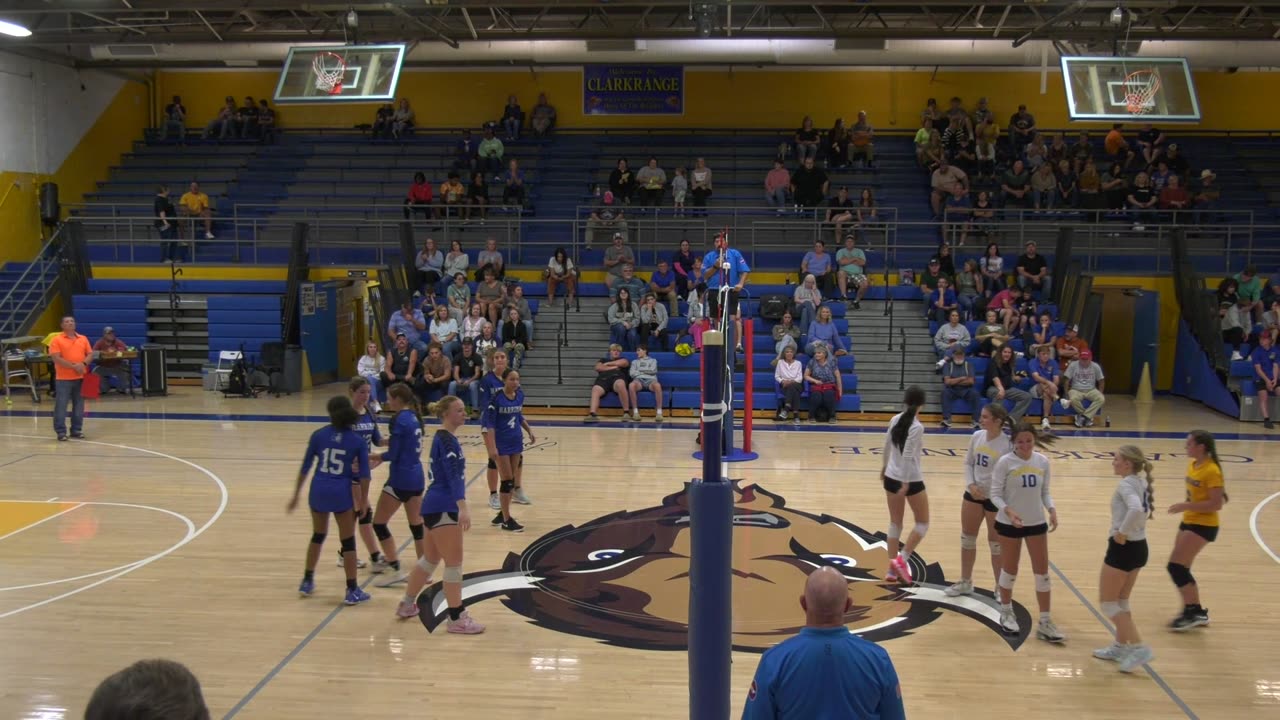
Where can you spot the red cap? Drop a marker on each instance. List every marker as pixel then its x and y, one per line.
pixel 1086 355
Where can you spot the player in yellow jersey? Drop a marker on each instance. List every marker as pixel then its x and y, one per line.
pixel 1205 497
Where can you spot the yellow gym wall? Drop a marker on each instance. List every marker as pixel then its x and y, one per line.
pixel 739 98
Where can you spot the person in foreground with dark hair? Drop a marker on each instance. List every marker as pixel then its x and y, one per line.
pixel 149 690
pixel 825 671
pixel 903 483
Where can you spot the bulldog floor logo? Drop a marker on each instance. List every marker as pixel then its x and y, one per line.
pixel 624 578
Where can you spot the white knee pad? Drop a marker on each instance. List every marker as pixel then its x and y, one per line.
pixel 427 567
pixel 453 573
pixel 1123 605
pixel 894 531
pixel 1006 580
pixel 1042 583
pixel 921 529
pixel 1111 609
pixel 968 542
pixel 995 548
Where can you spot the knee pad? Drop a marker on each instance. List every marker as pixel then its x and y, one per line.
pixel 1181 575
pixel 995 548
pixel 921 529
pixel 367 517
pixel 493 464
pixel 506 486
pixel 349 544
pixel 1042 583
pixel 1123 605
pixel 317 538
pixel 1111 609
pixel 1007 580
pixel 416 531
pixel 453 573
pixel 427 566
pixel 894 531
pixel 382 531
pixel 968 542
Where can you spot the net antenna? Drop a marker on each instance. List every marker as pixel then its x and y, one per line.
pixel 329 70
pixel 1140 88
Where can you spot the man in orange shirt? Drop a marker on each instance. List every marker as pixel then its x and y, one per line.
pixel 1069 346
pixel 1117 146
pixel 70 353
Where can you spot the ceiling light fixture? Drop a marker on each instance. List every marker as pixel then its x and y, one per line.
pixel 1117 16
pixel 13 29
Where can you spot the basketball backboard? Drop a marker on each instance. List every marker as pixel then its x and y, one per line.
pixel 1128 89
pixel 343 73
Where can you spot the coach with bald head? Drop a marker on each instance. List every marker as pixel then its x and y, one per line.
pixel 825 671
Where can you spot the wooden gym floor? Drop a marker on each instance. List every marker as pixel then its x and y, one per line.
pixel 164 535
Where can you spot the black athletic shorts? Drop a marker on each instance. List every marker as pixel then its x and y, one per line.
pixel 713 303
pixel 403 496
pixel 1009 531
pixel 1127 557
pixel 893 486
pixel 1208 532
pixel 435 520
pixel 986 504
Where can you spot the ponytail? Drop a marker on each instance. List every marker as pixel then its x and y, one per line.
pixel 1151 488
pixel 1210 443
pixel 913 399
pixel 1140 464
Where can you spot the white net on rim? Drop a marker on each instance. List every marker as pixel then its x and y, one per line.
pixel 1140 88
pixel 329 69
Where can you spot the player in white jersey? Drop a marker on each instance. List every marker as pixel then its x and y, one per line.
pixel 1126 556
pixel 986 447
pixel 1020 492
pixel 904 483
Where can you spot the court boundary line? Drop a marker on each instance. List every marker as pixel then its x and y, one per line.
pixel 222 506
pixel 315 632
pixel 42 520
pixel 1253 526
pixel 1155 676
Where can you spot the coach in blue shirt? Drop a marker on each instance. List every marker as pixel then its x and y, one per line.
pixel 825 672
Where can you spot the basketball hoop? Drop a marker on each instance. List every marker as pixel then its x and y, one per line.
pixel 329 69
pixel 1140 88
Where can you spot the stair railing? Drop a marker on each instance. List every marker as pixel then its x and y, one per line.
pixel 37 282
pixel 902 363
pixel 562 341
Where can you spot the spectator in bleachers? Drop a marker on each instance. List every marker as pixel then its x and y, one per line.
pixel 809 185
pixel 679 191
pixel 456 261
pixel 922 139
pixel 1036 153
pixel 402 361
pixel 512 118
pixel 788 373
pixel 1151 141
pixel 561 270
pixel 1271 318
pixel 866 207
pixel 195 204
pixel 607 217
pixel 113 371
pixel 383 119
pixel 516 299
pixel 612 374
pixel 430 265
pixel 840 210
pixel 981 112
pixel 697 313
pixel 662 284
pixel 490 258
pixel 1001 383
pixel 1249 287
pixel 487 342
pixel 1081 152
pixel 958 382
pixel 986 136
pixel 807 298
pixel 1177 162
pixel 944 182
pixel 1115 187
pixel 1142 198
pixel 1045 376
pixel 942 301
pixel 434 375
pixel 644 378
pixel 862 141
pixel 474 322
pixel 1084 381
pixel 806 141
pixel 1014 186
pixel 946 262
pixel 1008 304
pixel 465 153
pixel 823 333
pixel 491 295
pixel 266 122
pixel 818 263
pixel 175 120
pixel 1160 176
pixel 402 123
pixel 983 215
pixel 1044 187
pixel 513 192
pixel 934 153
pixel 370 367
pixel 968 287
pixel 1266 371
pixel 166 225
pixel 1069 346
pixel 700 186
pixel 992 266
pixel 629 280
pixel 515 336
pixel 991 335
pixel 452 195
pixel 1206 197
pixel 1041 335
pixel 624 320
pixel 410 323
pixel 964 154
pixel 682 263
pixel 489 154
pixel 956 133
pixel 419 197
pixel 956 110
pixel 652 181
pixel 468 368
pixel 653 322
pixel 444 331
pixel 622 182
pixel 247 119
pixel 477 199
pixel 224 123
pixel 950 335
pixel 932 274
pixel 1022 128
pixel 1067 185
pixel 1118 148
pixel 1175 198
pixel 544 116
pixel 616 257
pixel 825 384
pixel 836 151
pixel 1033 274
pixel 933 114
pixel 458 297
pixel 956 216
pixel 851 265
pixel 786 334
pixel 1089 186
pixel 1058 150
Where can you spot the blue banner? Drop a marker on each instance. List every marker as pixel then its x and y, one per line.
pixel 633 89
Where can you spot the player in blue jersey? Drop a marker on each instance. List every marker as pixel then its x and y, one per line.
pixel 445 513
pixel 340 454
pixel 502 424
pixel 406 481
pixel 361 392
pixel 490 384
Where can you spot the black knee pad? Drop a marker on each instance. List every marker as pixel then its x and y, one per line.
pixel 506 486
pixel 1181 575
pixel 416 531
pixel 367 517
pixel 382 531
pixel 317 538
pixel 349 544
pixel 493 464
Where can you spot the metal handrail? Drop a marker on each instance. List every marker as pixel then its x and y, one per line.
pixel 562 340
pixel 10 322
pixel 902 364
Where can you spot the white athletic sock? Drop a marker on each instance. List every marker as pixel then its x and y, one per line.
pixel 409 600
pixel 1044 617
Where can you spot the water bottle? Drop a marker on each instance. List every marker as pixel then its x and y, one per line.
pixel 1108 421
pixel 788 280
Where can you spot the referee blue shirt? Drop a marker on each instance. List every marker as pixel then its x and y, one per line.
pixel 825 674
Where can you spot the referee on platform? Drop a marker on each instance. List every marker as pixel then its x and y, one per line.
pixel 70 353
pixel 825 671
